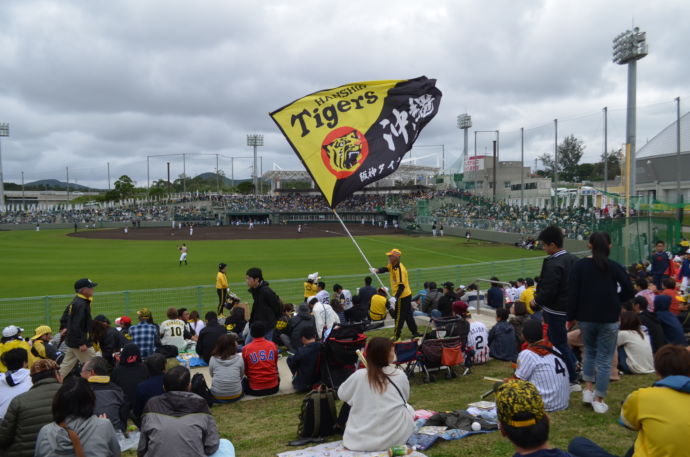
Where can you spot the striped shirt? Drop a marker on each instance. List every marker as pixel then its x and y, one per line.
pixel 549 375
pixel 478 339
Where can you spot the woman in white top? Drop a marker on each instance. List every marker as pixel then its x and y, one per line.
pixel 379 416
pixel 196 322
pixel 634 346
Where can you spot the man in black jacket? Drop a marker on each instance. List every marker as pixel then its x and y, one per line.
pixel 266 307
pixel 208 336
pixel 552 295
pixel 445 303
pixel 365 293
pixel 77 320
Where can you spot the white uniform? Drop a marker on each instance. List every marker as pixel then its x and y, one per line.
pixel 191 230
pixel 172 333
pixel 346 298
pixel 549 375
pixel 323 297
pixel 478 339
pixel 183 253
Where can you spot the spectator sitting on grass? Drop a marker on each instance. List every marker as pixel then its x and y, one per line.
pixel 502 342
pixel 260 363
pixel 650 322
pixel 292 338
pixel 520 315
pixel 180 423
pixel 226 368
pixel 145 333
pixel 151 387
pixel 523 420
pixel 16 380
pixel 303 364
pixel 130 372
pixel 673 330
pixel 209 336
pixel 660 414
pixel 73 408
pixel 542 365
pixel 634 346
pixel 30 411
pixel 110 399
pixel 40 346
pixel 379 416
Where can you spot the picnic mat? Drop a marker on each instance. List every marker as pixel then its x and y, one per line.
pixel 336 449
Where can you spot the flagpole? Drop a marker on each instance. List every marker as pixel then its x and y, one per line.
pixel 357 246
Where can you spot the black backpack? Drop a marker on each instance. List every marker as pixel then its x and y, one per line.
pixel 318 415
pixel 200 388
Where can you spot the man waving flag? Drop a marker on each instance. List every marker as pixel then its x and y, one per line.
pixel 352 135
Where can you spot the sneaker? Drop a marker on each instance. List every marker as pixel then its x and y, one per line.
pixel 575 387
pixel 587 396
pixel 600 407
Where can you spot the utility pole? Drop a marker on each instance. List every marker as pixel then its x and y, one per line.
pixel 606 149
pixel 184 174
pixel 217 176
pixel 108 175
pixel 555 161
pixel 522 166
pixel 168 164
pixel 678 194
pixel 255 141
pixel 4 131
pixel 495 148
pixel 23 202
pixel 67 174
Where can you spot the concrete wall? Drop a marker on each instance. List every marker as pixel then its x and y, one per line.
pixel 502 237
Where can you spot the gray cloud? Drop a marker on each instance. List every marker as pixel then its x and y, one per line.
pixel 85 83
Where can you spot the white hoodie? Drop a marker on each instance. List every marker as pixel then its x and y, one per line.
pixel 22 383
pixel 324 317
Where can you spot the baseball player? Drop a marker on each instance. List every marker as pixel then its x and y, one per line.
pixel 400 287
pixel 322 293
pixel 542 365
pixel 183 253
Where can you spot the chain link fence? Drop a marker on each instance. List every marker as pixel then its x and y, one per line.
pixel 30 312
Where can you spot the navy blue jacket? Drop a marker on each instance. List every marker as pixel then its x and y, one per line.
pixel 494 297
pixel 303 366
pixel 673 331
pixel 146 390
pixel 660 263
pixel 593 295
pixel 502 342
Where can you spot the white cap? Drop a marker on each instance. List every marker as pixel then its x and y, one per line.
pixel 461 286
pixel 11 331
pixel 314 276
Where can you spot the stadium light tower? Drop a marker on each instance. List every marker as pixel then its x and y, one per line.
pixel 4 131
pixel 629 47
pixel 255 141
pixel 464 123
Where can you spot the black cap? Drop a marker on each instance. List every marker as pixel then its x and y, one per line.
pixel 84 282
pixel 102 318
pixel 532 330
pixel 222 265
pixel 448 285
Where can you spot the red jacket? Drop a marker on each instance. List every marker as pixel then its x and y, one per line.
pixel 675 303
pixel 261 364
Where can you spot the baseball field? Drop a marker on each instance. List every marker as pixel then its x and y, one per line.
pixel 48 262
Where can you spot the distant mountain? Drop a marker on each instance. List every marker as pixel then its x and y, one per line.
pixel 54 184
pixel 210 177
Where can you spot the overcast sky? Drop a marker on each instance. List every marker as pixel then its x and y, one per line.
pixel 83 83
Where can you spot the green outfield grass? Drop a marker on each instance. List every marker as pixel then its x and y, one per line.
pixel 48 262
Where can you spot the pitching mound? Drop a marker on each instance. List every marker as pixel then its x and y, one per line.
pixel 242 232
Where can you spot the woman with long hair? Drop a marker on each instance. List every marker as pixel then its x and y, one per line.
pixel 226 368
pixel 380 416
pixel 597 287
pixel 75 430
pixel 196 322
pixel 634 346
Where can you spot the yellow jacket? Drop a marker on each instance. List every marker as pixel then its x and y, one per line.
pixel 13 344
pixel 377 309
pixel 399 276
pixel 221 280
pixel 310 289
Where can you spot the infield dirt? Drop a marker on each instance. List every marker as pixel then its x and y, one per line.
pixel 234 232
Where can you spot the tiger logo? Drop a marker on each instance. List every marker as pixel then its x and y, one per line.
pixel 343 151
